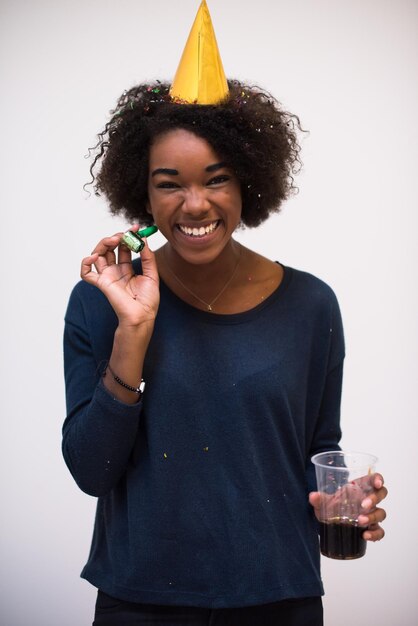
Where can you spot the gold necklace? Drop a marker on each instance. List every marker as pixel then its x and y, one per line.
pixel 208 305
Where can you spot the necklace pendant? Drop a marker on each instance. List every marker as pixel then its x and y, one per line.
pixel 209 307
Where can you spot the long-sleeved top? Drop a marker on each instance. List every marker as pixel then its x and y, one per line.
pixel 203 485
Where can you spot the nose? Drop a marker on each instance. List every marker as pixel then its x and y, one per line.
pixel 196 202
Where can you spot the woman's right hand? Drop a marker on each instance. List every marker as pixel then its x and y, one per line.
pixel 134 297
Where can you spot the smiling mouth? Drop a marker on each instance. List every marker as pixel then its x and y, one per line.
pixel 200 231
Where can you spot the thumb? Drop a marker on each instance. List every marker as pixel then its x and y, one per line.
pixel 149 264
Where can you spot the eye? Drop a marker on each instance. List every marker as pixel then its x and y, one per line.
pixel 218 180
pixel 167 184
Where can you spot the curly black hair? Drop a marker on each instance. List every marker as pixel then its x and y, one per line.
pixel 249 130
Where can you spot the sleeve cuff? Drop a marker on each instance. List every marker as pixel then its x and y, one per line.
pixel 115 406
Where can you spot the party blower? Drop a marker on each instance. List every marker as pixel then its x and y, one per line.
pixel 134 240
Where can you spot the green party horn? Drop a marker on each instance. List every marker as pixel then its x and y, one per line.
pixel 134 241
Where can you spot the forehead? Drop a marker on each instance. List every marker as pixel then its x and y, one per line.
pixel 181 146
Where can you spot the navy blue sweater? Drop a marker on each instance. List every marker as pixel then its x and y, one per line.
pixel 203 486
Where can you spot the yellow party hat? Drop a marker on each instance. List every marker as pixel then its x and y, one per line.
pixel 200 76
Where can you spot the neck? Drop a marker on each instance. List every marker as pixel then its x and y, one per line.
pixel 210 275
pixel 205 283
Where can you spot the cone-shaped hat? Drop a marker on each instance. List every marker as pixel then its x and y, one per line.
pixel 200 76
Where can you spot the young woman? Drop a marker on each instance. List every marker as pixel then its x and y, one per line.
pixel 204 477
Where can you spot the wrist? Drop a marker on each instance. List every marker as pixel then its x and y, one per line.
pixel 138 389
pixel 134 333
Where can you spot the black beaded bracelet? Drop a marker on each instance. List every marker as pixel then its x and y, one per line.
pixel 139 390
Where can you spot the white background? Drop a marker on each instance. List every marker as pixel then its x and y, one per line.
pixel 349 69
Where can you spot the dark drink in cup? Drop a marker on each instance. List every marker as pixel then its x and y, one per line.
pixel 342 539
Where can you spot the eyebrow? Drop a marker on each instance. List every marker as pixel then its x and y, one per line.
pixel 215 166
pixel 164 170
pixel 171 172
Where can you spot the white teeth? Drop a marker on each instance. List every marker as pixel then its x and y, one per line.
pixel 198 232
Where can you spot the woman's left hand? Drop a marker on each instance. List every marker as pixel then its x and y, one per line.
pixel 372 515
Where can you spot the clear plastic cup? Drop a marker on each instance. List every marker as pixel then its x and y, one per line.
pixel 344 480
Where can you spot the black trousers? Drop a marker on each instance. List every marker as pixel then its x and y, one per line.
pixel 301 612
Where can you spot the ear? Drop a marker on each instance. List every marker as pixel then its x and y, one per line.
pixel 148 207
